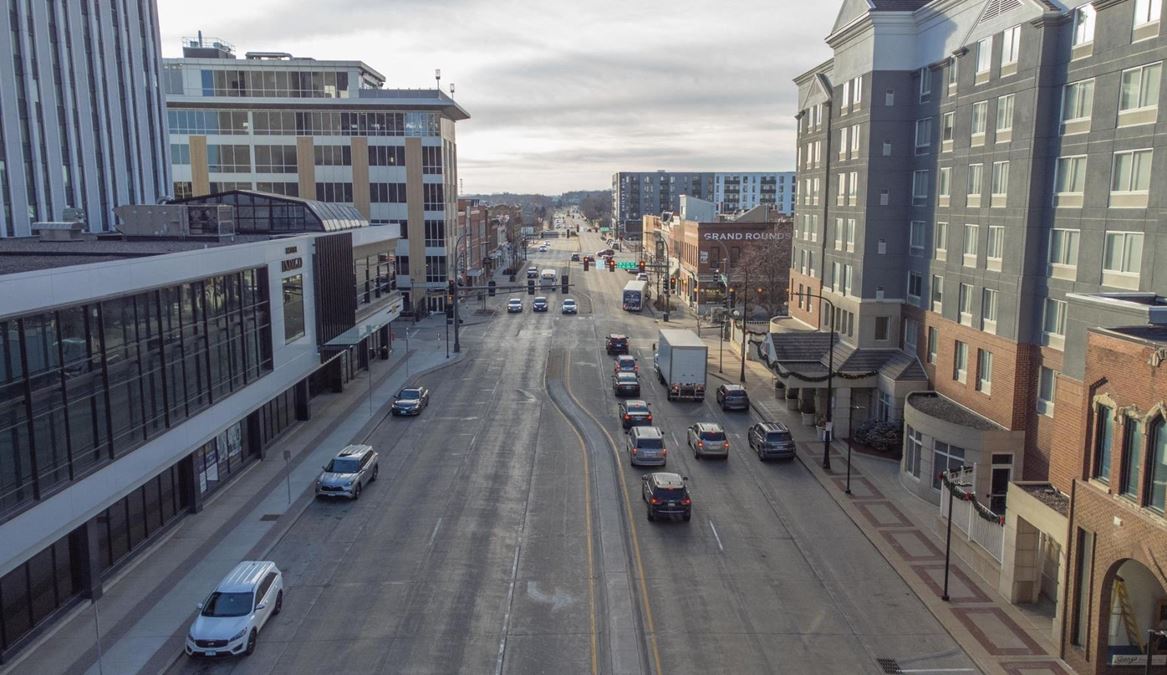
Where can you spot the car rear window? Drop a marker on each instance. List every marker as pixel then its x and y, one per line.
pixel 670 494
pixel 777 436
pixel 626 378
pixel 734 393
pixel 650 443
pixel 713 436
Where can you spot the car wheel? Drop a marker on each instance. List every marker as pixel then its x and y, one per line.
pixel 687 517
pixel 357 492
pixel 648 512
pixel 251 642
pixel 376 470
pixel 279 603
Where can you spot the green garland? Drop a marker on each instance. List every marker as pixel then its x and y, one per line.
pixel 959 493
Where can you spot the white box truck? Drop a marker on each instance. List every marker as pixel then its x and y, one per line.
pixel 680 362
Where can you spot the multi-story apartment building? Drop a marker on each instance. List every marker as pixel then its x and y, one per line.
pixel 140 374
pixel 326 131
pixel 82 129
pixel 649 193
pixel 976 193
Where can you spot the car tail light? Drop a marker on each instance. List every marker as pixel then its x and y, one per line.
pixel 654 500
pixel 649 418
pixel 700 445
pixel 634 450
pixel 686 502
pixel 664 452
pixel 727 445
pixel 628 417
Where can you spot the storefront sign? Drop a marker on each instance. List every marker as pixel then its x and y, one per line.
pixel 1137 660
pixel 743 236
pixel 291 264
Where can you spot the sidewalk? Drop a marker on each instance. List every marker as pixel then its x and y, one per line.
pixel 154 597
pixel 909 533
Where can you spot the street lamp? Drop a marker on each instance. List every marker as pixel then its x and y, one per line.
pixel 830 381
pixel 948 536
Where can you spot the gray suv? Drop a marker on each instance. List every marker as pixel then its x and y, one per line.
pixel 771 440
pixel 348 472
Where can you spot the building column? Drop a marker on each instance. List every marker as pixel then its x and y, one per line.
pixel 85 548
pixel 188 483
pixel 254 434
pixel 386 341
pixel 300 399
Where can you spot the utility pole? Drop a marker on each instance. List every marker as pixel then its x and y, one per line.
pixel 745 306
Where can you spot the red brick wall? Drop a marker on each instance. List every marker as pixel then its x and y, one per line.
pixel 810 284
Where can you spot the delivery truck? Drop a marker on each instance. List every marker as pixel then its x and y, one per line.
pixel 680 362
pixel 635 296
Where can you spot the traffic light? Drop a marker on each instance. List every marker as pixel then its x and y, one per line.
pixel 563 283
pixel 732 297
pixel 490 288
pixel 530 287
pixel 640 265
pixel 611 264
pixel 451 291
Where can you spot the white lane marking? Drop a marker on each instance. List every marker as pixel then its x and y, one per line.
pixel 716 537
pixel 434 534
pixel 676 443
pixel 506 619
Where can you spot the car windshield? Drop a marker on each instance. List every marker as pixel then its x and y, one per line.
pixel 777 436
pixel 713 436
pixel 669 494
pixel 344 465
pixel 650 444
pixel 409 395
pixel 227 604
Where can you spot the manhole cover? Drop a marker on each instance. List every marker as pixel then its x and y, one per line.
pixel 270 516
pixel 888 665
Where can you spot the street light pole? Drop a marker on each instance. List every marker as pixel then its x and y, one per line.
pixel 948 536
pixel 745 307
pixel 830 381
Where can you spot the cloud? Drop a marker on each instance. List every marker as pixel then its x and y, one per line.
pixel 563 94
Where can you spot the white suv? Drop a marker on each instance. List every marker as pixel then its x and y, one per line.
pixel 231 617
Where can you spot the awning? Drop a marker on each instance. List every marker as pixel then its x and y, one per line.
pixel 365 327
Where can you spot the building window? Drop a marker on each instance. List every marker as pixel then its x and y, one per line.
pixel 431 160
pixel 841 193
pixel 1004 114
pixel 1140 90
pixel 916 237
pixel 293 288
pixel 1078 102
pixel 920 188
pixel 941 241
pixel 386 155
pixel 855 141
pixel 1063 248
pixel 989 310
pixel 984 55
pixel 1132 451
pixel 1084 25
pixel 965 304
pixel 995 248
pixel 976 177
pixel 851 234
pixel 1147 11
pixel 882 328
pixel 1103 443
pixel 933 344
pixel 951 75
pixel 853 189
pixel 985 371
pixel 969 248
pixel 1070 178
pixel 923 136
pixel 435 269
pixel 948 130
pixel 911 334
pixel 1131 176
pixel 180 154
pixel 1000 187
pixel 915 282
pixel 1054 319
pixel 1123 253
pixel 229 158
pixel 335 192
pixel 960 362
pixel 945 459
pixel 1157 468
pixel 1011 46
pixel 275 159
pixel 435 233
pixel 937 294
pixel 925 83
pixel 333 155
pixel 387 193
pixel 433 197
pixel 980 121
pixel 856 92
pixel 913 449
pixel 1047 384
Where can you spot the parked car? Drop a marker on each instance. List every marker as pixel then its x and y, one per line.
pixel 532 272
pixel 625 384
pixel 569 306
pixel 575 257
pixel 708 439
pixel 514 306
pixel 646 445
pixel 346 474
pixel 733 397
pixel 771 440
pixel 626 364
pixel 616 344
pixel 633 413
pixel 410 401
pixel 666 496
pixel 539 304
pixel 230 619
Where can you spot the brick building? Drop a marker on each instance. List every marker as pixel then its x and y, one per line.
pixel 473 253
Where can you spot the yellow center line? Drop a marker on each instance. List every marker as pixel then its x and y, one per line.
pixel 583 449
pixel 650 627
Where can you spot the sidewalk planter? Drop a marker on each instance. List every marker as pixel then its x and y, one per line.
pixel 808 419
pixel 791 399
pixel 821 432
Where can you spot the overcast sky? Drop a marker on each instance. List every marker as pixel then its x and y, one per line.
pixel 563 93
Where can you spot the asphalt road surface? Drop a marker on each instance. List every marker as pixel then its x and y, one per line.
pixel 506 533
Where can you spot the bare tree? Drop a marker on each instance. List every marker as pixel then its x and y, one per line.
pixel 765 266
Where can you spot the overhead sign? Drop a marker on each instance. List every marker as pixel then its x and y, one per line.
pixel 742 236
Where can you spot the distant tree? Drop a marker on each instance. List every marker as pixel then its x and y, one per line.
pixel 766 266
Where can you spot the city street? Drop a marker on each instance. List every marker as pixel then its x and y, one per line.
pixel 506 532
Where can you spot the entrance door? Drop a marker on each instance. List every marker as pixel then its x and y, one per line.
pixel 999 481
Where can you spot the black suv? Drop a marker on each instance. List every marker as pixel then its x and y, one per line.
pixel 410 401
pixel 733 397
pixel 665 495
pixel 625 384
pixel 771 440
pixel 634 413
pixel 617 344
